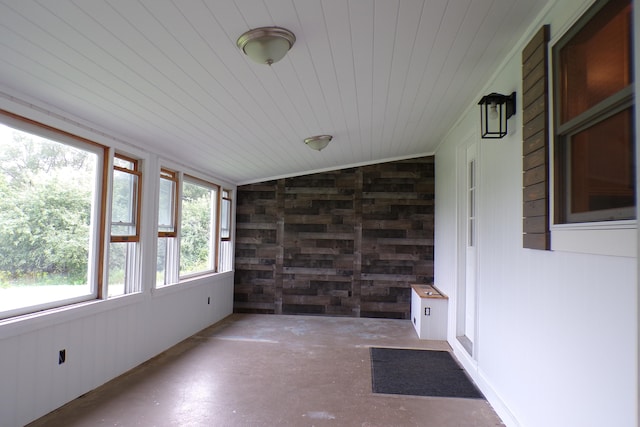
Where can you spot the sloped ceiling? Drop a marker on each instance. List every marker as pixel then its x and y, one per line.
pixel 386 78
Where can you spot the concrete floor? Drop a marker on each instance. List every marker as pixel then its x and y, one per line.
pixel 269 370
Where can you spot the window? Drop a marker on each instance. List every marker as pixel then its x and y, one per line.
pixel 194 228
pixel 125 227
pixel 70 221
pixel 198 243
pixel 166 265
pixel 226 249
pixel 594 118
pixel 50 235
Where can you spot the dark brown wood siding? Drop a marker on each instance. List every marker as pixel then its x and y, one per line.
pixel 346 243
pixel 535 148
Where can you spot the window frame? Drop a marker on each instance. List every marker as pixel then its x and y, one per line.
pixel 172 176
pixel 171 273
pixel 214 245
pixel 225 254
pixel 563 132
pixel 132 265
pixel 226 198
pixel 98 238
pixel 137 198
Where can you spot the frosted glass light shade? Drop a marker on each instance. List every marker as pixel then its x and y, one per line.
pixel 318 142
pixel 266 45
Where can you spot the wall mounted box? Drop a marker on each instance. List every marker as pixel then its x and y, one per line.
pixel 429 312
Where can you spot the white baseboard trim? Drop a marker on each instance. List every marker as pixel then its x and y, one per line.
pixel 494 399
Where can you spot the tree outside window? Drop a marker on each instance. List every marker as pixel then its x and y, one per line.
pixel 198 227
pixel 48 197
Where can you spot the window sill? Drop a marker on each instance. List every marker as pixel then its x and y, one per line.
pixel 191 281
pixel 612 238
pixel 12 326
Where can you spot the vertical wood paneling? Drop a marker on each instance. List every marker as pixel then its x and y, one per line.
pixel 535 150
pixel 353 241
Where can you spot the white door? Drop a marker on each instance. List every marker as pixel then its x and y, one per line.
pixel 467 246
pixel 471 251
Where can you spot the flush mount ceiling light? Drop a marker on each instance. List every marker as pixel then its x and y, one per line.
pixel 318 142
pixel 266 45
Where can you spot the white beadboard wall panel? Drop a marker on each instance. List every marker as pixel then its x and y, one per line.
pixel 195 110
pixel 102 345
pixel 425 45
pixel 384 33
pixel 448 28
pixel 102 339
pixel 361 18
pixel 26 367
pixel 338 29
pixel 457 64
pixel 545 319
pixel 61 88
pixel 84 71
pixel 311 15
pixel 405 43
pixel 9 357
pixel 386 78
pixel 195 56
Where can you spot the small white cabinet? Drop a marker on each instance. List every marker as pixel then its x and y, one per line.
pixel 429 312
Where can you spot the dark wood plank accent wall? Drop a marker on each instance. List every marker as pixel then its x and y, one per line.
pixel 344 243
pixel 535 149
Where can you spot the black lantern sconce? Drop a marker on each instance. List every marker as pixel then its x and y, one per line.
pixel 495 109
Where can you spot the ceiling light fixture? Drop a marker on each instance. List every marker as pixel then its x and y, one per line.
pixel 318 142
pixel 266 45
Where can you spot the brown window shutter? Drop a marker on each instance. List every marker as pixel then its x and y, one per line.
pixel 535 146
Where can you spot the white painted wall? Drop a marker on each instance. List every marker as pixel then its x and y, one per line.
pixel 557 337
pixel 103 339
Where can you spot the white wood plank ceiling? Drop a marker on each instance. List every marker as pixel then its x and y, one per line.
pixel 387 78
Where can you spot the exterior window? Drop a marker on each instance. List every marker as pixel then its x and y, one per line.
pixel 50 237
pixel 198 227
pixel 166 265
pixel 125 227
pixel 594 118
pixel 226 253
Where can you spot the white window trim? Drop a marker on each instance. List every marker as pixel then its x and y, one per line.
pixel 609 238
pixel 60 136
pixel 613 238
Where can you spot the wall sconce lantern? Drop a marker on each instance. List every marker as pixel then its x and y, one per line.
pixel 495 109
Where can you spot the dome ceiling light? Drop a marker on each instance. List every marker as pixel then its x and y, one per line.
pixel 266 45
pixel 318 142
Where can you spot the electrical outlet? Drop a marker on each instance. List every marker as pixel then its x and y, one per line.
pixel 62 356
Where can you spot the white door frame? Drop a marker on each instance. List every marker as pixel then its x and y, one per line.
pixel 467 194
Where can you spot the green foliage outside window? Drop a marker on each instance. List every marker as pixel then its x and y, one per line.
pixel 196 230
pixel 46 191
